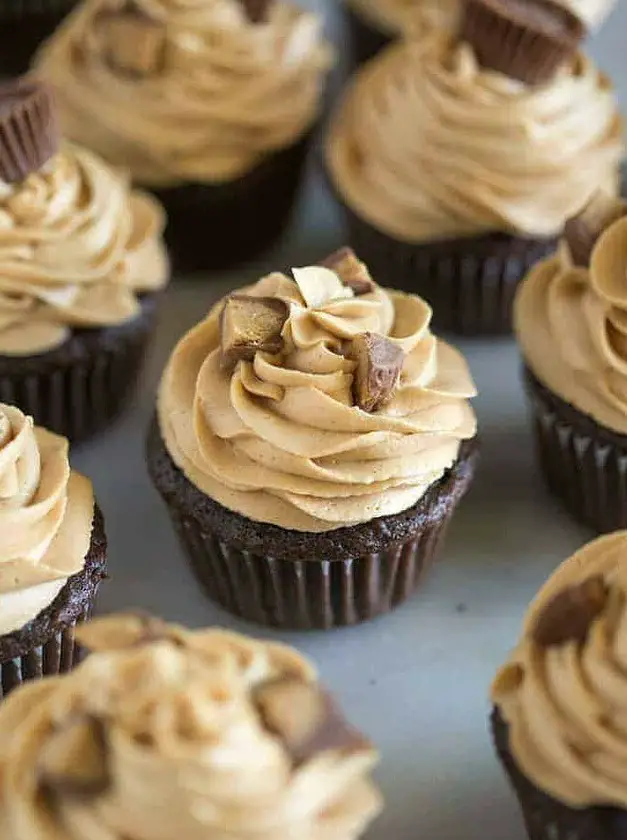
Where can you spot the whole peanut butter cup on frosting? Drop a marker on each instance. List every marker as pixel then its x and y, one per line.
pixel 558 702
pixel 81 264
pixel 571 324
pixel 434 207
pixel 211 105
pixel 52 552
pixel 312 441
pixel 163 706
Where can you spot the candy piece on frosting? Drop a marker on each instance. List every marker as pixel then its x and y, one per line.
pixel 131 41
pixel 527 40
pixel 569 615
pixel 29 136
pixel 379 365
pixel 583 231
pixel 351 270
pixel 74 761
pixel 250 324
pixel 256 10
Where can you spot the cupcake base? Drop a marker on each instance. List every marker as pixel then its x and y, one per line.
pixel 24 25
pixel 584 465
pixel 213 227
pixel 78 389
pixel 547 818
pixel 46 646
pixel 366 41
pixel 283 578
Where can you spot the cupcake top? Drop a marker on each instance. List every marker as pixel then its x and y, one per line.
pixel 77 246
pixel 564 689
pixel 165 733
pixel 429 143
pixel 316 402
pixel 570 315
pixel 187 90
pixel 46 513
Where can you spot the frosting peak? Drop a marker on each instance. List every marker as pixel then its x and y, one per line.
pixel 164 733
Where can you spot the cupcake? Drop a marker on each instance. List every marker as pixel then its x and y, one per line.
pixel 312 441
pixel 457 160
pixel 81 263
pixel 558 719
pixel 52 552
pixel 24 24
pixel 211 104
pixel 164 732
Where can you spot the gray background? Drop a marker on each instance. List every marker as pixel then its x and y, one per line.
pixel 417 680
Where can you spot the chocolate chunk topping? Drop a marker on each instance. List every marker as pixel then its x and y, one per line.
pixel 583 231
pixel 351 271
pixel 305 718
pixel 29 135
pixel 257 10
pixel 570 614
pixel 379 364
pixel 131 41
pixel 250 324
pixel 74 761
pixel 527 40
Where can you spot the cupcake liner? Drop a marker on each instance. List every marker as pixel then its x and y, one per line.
pixel 469 282
pixel 281 578
pixel 218 226
pixel 24 25
pixel 584 465
pixel 366 41
pixel 80 388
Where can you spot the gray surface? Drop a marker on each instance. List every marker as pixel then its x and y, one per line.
pixel 416 681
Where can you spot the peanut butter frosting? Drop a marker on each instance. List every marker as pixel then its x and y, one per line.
pixel 77 248
pixel 428 145
pixel 564 689
pixel 206 97
pixel 164 733
pixel 46 513
pixel 279 438
pixel 571 324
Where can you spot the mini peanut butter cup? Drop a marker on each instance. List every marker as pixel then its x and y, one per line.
pixel 583 230
pixel 29 134
pixel 527 40
pixel 256 10
pixel 132 42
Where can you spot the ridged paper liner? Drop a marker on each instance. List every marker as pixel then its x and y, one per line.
pixel 584 465
pixel 29 135
pixel 545 817
pixel 24 25
pixel 366 41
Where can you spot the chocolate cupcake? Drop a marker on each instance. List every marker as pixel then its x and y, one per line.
pixel 571 324
pixel 52 552
pixel 457 172
pixel 312 441
pixel 211 105
pixel 81 263
pixel 164 732
pixel 24 24
pixel 558 720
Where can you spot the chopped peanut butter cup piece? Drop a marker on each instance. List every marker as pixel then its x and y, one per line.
pixel 29 134
pixel 569 615
pixel 379 365
pixel 526 40
pixel 249 324
pixel 305 718
pixel 583 231
pixel 351 271
pixel 74 761
pixel 132 41
pixel 256 10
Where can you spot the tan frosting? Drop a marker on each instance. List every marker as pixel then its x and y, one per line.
pixel 428 145
pixel 187 752
pixel 230 91
pixel 279 439
pixel 76 250
pixel 565 704
pixel 571 325
pixel 46 513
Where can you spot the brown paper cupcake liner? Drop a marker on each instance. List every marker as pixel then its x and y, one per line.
pixel 545 817
pixel 281 578
pixel 365 40
pixel 24 25
pixel 213 227
pixel 584 465
pixel 80 388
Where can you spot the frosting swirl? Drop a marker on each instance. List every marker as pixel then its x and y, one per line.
pixel 428 145
pixel 229 91
pixel 46 513
pixel 571 324
pixel 169 741
pixel 280 440
pixel 564 704
pixel 76 250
